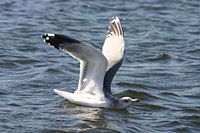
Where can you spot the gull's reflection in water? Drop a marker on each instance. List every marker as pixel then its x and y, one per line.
pixel 87 118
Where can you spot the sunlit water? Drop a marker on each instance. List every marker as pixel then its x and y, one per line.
pixel 161 66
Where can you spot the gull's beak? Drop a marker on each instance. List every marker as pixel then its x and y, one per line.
pixel 135 100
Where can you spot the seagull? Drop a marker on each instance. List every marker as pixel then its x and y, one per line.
pixel 97 69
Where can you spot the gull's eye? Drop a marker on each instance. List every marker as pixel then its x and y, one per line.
pixel 126 101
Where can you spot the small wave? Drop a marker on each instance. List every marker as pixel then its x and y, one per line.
pixel 196 123
pixel 52 70
pixel 193 51
pixel 53 131
pixel 194 32
pixel 169 94
pixel 28 61
pixel 8 64
pixel 100 130
pixel 160 57
pixel 177 126
pixel 27 49
pixel 174 123
pixel 126 84
pixel 192 117
pixel 3 93
pixel 154 107
pixel 36 85
pixel 14 105
pixel 183 129
pixel 191 110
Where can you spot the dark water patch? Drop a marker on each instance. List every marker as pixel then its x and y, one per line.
pixel 8 64
pixel 160 74
pixel 3 120
pixel 194 110
pixel 52 70
pixel 27 49
pixel 174 123
pixel 154 107
pixel 53 131
pixel 193 96
pixel 175 39
pixel 194 32
pixel 182 130
pixel 37 85
pixel 20 115
pixel 14 105
pixel 100 130
pixel 193 117
pixel 3 93
pixel 160 57
pixel 126 84
pixel 27 61
pixel 195 123
pixel 196 50
pixel 170 97
pixel 169 94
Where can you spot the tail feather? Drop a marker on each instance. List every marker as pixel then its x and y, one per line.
pixel 66 95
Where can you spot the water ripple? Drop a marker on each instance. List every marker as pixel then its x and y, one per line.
pixel 161 66
pixel 161 57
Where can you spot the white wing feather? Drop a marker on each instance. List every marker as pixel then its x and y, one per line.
pixel 113 48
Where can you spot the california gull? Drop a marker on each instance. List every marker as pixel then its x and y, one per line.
pixel 97 68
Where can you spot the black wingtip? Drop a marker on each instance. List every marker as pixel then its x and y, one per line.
pixel 44 36
pixel 64 38
pixel 58 40
pixel 51 40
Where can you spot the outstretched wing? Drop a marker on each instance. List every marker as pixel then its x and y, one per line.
pixel 113 50
pixel 92 62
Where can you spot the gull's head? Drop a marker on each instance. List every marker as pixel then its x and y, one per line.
pixel 125 102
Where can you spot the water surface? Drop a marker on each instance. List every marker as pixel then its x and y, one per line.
pixel 161 66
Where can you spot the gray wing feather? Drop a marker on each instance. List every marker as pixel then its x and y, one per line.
pixel 92 62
